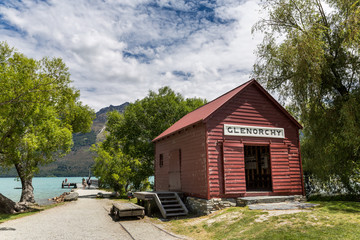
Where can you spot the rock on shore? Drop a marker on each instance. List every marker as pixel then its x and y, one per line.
pixel 66 196
pixel 73 196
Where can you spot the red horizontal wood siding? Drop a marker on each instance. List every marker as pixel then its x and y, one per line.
pixel 192 142
pixel 251 107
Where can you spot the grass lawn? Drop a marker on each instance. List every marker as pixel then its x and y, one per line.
pixel 330 220
pixel 7 217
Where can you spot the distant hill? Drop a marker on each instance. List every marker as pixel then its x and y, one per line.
pixel 99 123
pixel 80 159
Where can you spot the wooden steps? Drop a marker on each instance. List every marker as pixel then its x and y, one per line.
pixel 170 204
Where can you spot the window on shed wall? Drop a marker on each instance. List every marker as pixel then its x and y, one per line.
pixel 161 160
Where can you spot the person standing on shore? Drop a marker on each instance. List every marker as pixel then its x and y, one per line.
pixel 84 183
pixel 89 182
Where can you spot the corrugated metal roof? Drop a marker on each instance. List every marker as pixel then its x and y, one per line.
pixel 203 112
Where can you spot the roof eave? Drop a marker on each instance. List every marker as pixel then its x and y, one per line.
pixel 179 130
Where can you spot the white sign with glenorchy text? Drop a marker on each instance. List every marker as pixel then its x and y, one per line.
pixel 252 131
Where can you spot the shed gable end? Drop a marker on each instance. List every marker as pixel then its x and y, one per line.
pixel 250 107
pixel 253 108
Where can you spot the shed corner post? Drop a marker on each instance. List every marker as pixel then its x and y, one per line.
pixel 207 162
pixel 154 166
pixel 301 166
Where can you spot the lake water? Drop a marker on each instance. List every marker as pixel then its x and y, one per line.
pixel 44 187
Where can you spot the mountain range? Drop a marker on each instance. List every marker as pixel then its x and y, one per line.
pixel 79 161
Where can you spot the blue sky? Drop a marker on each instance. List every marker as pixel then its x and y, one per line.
pixel 119 50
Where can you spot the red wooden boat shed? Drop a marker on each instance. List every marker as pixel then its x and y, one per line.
pixel 244 143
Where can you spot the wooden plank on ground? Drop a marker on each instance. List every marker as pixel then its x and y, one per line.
pixel 127 210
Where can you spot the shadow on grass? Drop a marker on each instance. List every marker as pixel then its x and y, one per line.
pixel 339 206
pixel 336 197
pixel 4 217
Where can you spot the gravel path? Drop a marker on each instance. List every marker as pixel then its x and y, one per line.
pixel 86 218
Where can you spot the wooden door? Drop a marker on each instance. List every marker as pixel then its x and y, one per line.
pixel 175 170
pixel 257 168
pixel 233 167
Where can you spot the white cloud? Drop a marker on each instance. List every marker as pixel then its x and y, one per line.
pixel 118 50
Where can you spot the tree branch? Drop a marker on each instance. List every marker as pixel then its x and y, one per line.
pixel 300 14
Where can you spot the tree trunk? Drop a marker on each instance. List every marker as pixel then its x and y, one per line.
pixel 27 193
pixel 7 205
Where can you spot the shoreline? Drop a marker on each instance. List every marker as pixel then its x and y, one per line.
pixel 44 188
pixel 45 202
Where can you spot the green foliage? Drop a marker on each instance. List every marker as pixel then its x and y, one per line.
pixel 114 168
pixel 39 112
pixel 129 142
pixel 333 186
pixel 311 55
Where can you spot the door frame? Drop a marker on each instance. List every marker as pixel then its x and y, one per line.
pixel 259 186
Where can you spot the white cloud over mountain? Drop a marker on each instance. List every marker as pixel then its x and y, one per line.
pixel 118 50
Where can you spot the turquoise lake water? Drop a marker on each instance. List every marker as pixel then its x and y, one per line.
pixel 44 187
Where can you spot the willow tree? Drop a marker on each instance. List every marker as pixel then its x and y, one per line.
pixel 310 55
pixel 39 112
